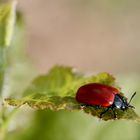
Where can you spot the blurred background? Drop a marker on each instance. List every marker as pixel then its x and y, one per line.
pixel 93 36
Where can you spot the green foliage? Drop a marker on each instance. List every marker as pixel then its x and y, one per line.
pixel 76 125
pixel 7 20
pixel 2 68
pixel 7 24
pixel 57 89
pixel 19 68
pixel 63 81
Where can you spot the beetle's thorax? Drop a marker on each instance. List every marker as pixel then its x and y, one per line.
pixel 120 102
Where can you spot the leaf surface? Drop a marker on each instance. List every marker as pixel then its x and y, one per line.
pixel 57 89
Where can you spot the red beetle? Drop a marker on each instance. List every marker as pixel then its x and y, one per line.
pixel 95 94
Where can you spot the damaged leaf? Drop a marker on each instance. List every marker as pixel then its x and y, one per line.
pixel 57 89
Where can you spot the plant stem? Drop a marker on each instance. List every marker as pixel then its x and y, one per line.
pixel 6 122
pixel 2 68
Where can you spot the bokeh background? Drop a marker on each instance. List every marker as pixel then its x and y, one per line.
pixel 93 36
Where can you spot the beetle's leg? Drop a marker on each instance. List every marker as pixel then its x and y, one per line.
pixel 97 106
pixel 82 106
pixel 102 113
pixel 114 113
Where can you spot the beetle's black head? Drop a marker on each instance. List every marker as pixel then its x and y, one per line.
pixel 120 102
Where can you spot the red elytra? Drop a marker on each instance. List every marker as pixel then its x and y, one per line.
pixel 96 94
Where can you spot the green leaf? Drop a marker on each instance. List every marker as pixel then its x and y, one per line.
pixel 64 81
pixel 56 91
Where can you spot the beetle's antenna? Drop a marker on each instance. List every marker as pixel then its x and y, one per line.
pixel 132 97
